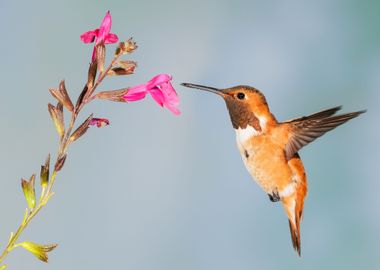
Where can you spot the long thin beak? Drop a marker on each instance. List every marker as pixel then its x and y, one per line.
pixel 204 88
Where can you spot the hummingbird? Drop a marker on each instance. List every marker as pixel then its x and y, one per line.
pixel 269 148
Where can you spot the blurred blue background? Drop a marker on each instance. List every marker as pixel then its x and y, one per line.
pixel 155 191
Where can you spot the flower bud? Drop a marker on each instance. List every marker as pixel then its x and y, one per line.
pixel 126 47
pixel 40 251
pixel 29 191
pixel 44 174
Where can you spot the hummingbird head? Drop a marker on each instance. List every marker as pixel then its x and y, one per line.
pixel 246 105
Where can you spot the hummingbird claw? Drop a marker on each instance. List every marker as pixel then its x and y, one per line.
pixel 274 196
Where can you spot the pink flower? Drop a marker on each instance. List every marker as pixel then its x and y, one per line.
pixel 99 122
pixel 161 91
pixel 102 35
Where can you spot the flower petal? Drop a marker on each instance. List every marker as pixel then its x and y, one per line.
pixel 99 122
pixel 111 38
pixel 171 99
pixel 157 96
pixel 161 91
pixel 157 80
pixel 169 93
pixel 136 93
pixel 134 97
pixel 137 89
pixel 89 36
pixel 104 28
pixel 173 109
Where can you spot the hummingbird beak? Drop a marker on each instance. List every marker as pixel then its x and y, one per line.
pixel 204 88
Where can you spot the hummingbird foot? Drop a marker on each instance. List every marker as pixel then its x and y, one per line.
pixel 274 196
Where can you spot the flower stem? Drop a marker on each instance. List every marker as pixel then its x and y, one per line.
pixel 100 79
pixel 46 192
pixel 27 218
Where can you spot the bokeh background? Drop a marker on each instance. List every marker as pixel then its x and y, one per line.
pixel 155 191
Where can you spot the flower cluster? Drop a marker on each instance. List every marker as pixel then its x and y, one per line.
pixel 159 87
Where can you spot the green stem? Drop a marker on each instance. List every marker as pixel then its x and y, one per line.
pixel 46 192
pixel 28 218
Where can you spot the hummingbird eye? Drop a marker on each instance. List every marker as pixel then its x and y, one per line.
pixel 240 95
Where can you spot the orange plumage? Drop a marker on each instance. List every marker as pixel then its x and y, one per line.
pixel 269 148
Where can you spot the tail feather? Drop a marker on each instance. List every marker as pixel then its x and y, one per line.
pixel 296 236
pixel 293 205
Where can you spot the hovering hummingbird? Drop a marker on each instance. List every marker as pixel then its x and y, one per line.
pixel 269 148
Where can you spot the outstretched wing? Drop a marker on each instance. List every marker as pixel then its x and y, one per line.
pixel 306 129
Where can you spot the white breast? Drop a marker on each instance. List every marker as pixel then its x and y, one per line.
pixel 242 138
pixel 242 135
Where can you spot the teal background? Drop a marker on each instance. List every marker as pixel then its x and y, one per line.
pixel 155 191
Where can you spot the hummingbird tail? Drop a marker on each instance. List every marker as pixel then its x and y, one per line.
pixel 293 206
pixel 296 237
pixel 293 203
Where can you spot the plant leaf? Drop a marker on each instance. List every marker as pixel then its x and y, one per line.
pixel 3 267
pixel 40 251
pixel 81 129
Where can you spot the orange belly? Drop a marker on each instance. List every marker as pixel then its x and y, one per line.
pixel 267 164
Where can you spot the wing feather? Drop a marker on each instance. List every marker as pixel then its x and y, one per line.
pixel 306 129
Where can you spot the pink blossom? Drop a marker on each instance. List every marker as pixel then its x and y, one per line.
pixel 102 35
pixel 161 90
pixel 99 122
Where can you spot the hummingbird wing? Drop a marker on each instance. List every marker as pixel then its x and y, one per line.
pixel 304 130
